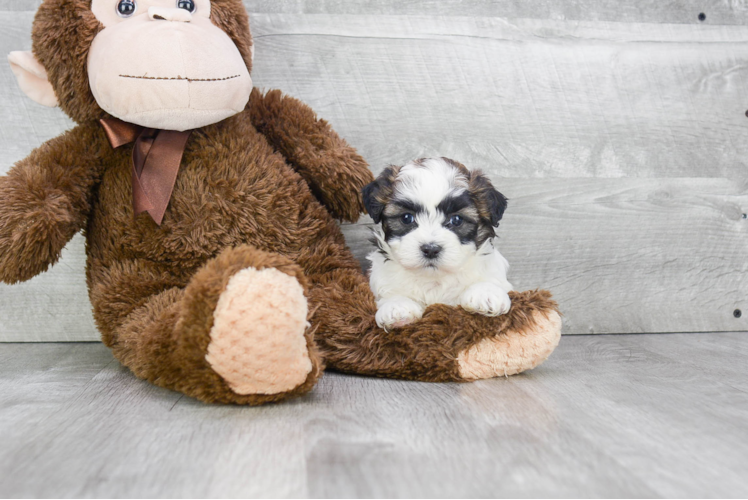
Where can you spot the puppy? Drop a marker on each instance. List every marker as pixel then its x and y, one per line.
pixel 436 242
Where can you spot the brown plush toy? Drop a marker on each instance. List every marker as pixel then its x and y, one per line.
pixel 215 265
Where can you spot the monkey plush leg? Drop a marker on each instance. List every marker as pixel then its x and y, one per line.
pixel 237 333
pixel 447 344
pixel 530 335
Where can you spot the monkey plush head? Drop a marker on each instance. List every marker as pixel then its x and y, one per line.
pixel 164 64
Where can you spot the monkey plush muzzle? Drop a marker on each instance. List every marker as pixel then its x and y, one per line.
pixel 187 73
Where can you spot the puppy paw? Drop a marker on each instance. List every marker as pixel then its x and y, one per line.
pixel 487 299
pixel 397 312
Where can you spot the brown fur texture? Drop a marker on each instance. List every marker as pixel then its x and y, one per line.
pixel 260 189
pixel 291 127
pixel 425 350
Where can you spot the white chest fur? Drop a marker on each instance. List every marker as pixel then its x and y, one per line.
pixel 389 279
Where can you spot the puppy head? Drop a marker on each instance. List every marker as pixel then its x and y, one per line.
pixel 435 213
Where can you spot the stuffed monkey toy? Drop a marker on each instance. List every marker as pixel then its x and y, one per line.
pixel 215 266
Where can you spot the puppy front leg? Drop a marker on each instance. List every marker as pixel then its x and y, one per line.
pixel 397 311
pixel 486 299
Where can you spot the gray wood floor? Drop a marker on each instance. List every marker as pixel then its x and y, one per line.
pixel 606 416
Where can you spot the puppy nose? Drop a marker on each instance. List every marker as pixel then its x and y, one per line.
pixel 431 250
pixel 169 14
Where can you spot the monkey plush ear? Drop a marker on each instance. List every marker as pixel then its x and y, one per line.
pixel 32 78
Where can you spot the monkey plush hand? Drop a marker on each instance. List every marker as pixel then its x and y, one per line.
pixel 214 264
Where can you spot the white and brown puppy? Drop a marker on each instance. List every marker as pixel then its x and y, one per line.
pixel 436 243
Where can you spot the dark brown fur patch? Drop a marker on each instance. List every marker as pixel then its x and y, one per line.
pixel 490 203
pixel 62 33
pixel 377 194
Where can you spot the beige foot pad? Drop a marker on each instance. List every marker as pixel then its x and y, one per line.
pixel 512 352
pixel 257 341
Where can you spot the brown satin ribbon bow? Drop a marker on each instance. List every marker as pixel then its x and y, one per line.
pixel 156 156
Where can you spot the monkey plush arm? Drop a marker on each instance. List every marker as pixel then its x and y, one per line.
pixel 334 171
pixel 45 200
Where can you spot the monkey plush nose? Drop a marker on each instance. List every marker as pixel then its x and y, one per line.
pixel 431 250
pixel 169 14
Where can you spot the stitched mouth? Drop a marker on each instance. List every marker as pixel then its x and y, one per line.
pixel 180 78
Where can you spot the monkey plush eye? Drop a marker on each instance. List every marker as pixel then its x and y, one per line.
pixel 455 220
pixel 407 219
pixel 126 8
pixel 188 5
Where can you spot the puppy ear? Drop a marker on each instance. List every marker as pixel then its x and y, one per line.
pixel 32 78
pixel 497 203
pixel 377 194
pixel 373 207
pixel 491 204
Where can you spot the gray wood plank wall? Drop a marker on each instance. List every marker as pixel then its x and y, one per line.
pixel 616 128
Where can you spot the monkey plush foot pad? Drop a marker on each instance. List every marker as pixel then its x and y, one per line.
pixel 512 352
pixel 257 340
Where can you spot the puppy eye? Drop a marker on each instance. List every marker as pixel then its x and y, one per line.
pixel 407 219
pixel 455 220
pixel 126 8
pixel 187 5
